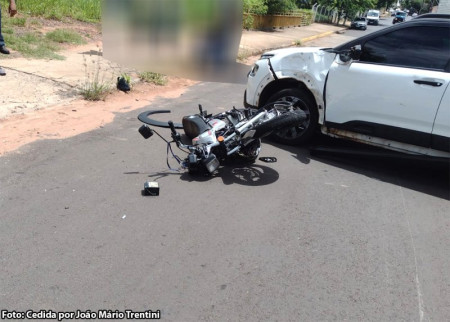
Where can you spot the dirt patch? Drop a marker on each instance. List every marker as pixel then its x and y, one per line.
pixel 35 84
pixel 89 31
pixel 78 116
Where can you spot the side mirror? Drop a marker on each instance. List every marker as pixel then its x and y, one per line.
pixel 353 53
pixel 345 56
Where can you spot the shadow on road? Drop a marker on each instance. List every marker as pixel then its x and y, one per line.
pixel 250 175
pixel 243 174
pixel 428 176
pixel 232 173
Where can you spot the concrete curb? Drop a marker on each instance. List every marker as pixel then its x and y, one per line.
pixel 324 34
pixel 249 52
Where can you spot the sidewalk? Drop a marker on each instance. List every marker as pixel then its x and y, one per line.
pixel 256 42
pixel 32 84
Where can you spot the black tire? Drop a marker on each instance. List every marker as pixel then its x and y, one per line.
pixel 250 152
pixel 305 129
pixel 283 121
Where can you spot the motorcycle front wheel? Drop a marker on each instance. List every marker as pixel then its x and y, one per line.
pixel 285 120
pixel 301 101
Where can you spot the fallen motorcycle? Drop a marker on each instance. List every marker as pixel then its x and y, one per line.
pixel 210 140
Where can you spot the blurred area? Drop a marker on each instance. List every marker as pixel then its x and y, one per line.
pixel 196 39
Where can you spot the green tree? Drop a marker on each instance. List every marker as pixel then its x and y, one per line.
pixel 385 4
pixel 418 5
pixel 347 9
pixel 258 7
pixel 414 5
pixel 305 4
pixel 280 6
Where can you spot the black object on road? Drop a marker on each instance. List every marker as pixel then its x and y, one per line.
pixel 268 159
pixel 151 188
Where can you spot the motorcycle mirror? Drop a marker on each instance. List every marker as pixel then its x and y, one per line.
pixel 145 131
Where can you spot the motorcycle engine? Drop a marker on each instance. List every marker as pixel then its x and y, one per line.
pixel 209 135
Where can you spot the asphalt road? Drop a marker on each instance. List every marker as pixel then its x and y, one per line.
pixel 308 238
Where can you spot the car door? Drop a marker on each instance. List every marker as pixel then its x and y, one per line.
pixel 440 137
pixel 395 88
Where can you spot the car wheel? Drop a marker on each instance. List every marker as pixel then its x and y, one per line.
pixel 299 100
pixel 365 28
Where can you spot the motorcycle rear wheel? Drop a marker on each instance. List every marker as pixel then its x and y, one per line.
pixel 250 152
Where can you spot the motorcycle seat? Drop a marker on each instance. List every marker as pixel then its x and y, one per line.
pixel 194 125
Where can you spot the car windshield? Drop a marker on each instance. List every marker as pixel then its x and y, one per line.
pixel 360 19
pixel 372 14
pixel 401 14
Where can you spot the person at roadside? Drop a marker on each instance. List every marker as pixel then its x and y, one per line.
pixel 12 10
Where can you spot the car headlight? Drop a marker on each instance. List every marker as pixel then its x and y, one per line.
pixel 266 56
pixel 254 70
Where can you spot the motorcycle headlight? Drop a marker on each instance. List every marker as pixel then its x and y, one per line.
pixel 211 163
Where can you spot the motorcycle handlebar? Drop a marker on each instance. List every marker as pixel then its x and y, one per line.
pixel 172 127
pixel 175 136
pixel 144 118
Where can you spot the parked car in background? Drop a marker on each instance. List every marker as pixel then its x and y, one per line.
pixel 389 88
pixel 373 17
pixel 359 23
pixel 400 16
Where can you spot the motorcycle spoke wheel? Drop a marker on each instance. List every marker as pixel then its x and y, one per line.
pixel 296 99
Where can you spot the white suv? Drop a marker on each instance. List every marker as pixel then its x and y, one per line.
pixel 389 88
